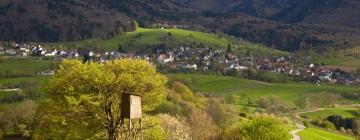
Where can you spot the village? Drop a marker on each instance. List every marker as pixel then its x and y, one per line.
pixel 190 59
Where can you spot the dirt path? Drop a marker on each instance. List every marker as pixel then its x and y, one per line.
pixel 301 127
pixel 294 132
pixel 319 109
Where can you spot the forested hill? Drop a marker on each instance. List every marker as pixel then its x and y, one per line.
pixel 285 24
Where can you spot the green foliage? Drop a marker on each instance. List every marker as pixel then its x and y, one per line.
pixel 306 123
pixel 170 108
pixel 232 98
pixel 152 129
pixel 20 117
pixel 273 104
pixel 184 91
pixel 344 112
pixel 324 124
pixel 301 102
pixel 93 90
pixel 258 128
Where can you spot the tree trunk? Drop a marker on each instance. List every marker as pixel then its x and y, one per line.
pixel 112 135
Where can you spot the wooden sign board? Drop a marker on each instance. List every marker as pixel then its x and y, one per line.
pixel 131 107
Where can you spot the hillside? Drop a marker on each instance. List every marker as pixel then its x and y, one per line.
pixel 284 24
pixel 328 12
pixel 145 39
pixel 289 92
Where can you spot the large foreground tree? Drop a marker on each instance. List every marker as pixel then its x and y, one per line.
pixel 93 91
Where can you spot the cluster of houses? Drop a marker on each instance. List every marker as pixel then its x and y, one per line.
pixel 193 59
pixel 31 49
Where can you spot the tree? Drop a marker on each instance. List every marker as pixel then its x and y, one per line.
pixel 121 49
pixel 216 110
pixel 202 126
pixel 232 98
pixel 301 102
pixel 228 50
pixel 356 128
pixel 176 128
pixel 20 117
pixel 1 59
pixel 184 91
pixel 261 127
pixel 95 90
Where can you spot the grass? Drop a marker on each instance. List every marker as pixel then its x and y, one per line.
pixel 24 66
pixel 344 112
pixel 318 134
pixel 221 85
pixel 39 79
pixel 348 63
pixel 4 94
pixel 142 39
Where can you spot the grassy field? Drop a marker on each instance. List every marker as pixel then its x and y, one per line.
pixel 344 112
pixel 26 66
pixel 40 79
pixel 345 63
pixel 318 134
pixel 253 89
pixel 144 38
pixel 4 94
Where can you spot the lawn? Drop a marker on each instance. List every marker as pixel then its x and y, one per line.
pixel 222 85
pixel 143 38
pixel 318 134
pixel 344 112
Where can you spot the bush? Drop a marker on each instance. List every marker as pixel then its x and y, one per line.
pixel 329 125
pixel 168 107
pixel 202 126
pixel 216 110
pixel 175 127
pixel 258 128
pixel 153 130
pixel 306 123
pixel 273 104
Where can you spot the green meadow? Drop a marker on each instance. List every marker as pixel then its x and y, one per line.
pixel 348 63
pixel 344 112
pixel 24 66
pixel 143 38
pixel 318 134
pixel 222 85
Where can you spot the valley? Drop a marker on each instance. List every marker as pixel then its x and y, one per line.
pixel 180 69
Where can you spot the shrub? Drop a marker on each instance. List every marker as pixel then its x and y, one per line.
pixel 259 128
pixel 202 126
pixel 175 127
pixel 153 130
pixel 216 110
pixel 306 123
